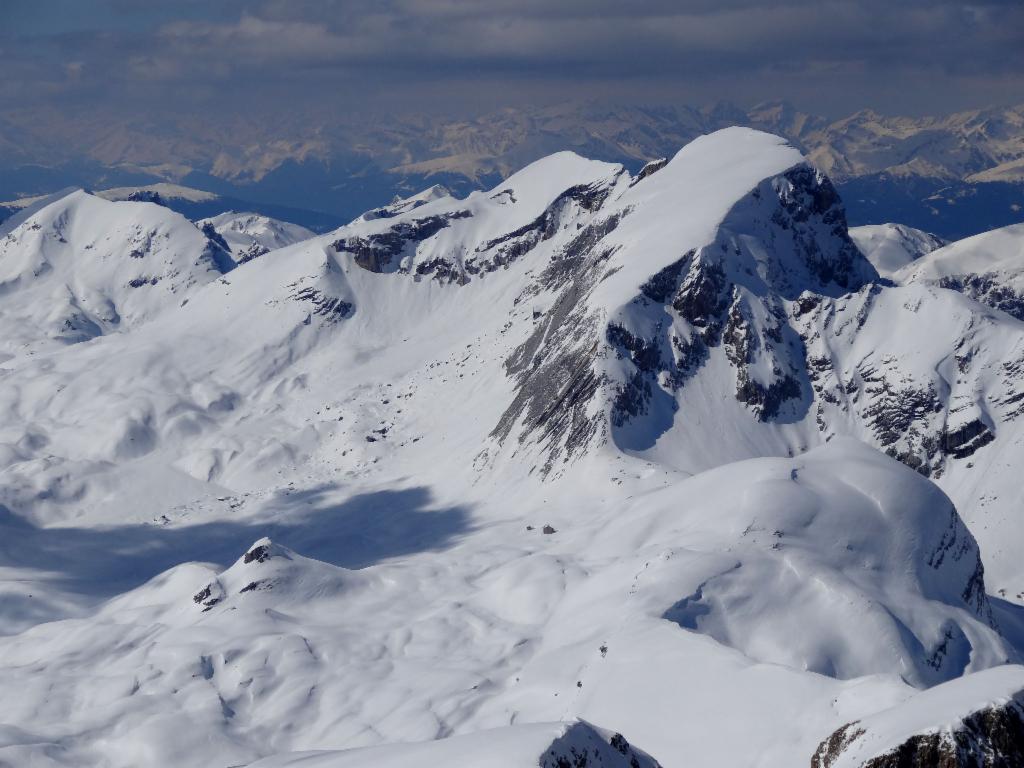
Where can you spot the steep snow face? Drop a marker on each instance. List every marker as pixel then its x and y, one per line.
pixel 81 267
pixel 988 267
pixel 669 275
pixel 248 236
pixel 890 247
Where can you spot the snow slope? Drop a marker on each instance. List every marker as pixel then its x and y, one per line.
pixel 974 716
pixel 80 267
pixel 988 267
pixel 279 652
pixel 890 247
pixel 580 446
pixel 526 746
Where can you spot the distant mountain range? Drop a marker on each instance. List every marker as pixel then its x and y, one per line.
pixel 195 204
pixel 954 175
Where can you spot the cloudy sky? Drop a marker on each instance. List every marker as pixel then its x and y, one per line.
pixel 288 57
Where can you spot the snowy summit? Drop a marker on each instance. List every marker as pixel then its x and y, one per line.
pixel 584 469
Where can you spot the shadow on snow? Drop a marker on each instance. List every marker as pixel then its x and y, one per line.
pixel 101 562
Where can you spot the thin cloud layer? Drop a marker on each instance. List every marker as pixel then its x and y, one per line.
pixel 461 55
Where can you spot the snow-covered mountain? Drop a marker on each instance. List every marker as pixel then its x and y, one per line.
pixel 988 267
pixel 80 267
pixel 890 247
pixel 585 464
pixel 249 235
pixel 194 204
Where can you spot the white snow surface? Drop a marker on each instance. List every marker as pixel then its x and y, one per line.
pixel 251 235
pixel 277 518
pixel 890 247
pixel 523 746
pixel 402 205
pixel 999 253
pixel 166 190
pixel 80 267
pixel 939 710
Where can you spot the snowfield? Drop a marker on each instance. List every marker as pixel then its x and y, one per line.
pixel 586 469
pixel 890 247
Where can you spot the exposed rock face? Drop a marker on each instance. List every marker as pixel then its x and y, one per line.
pixel 990 738
pixel 145 196
pixel 988 288
pixel 502 251
pixel 254 251
pixel 652 167
pixel 731 294
pixel 583 746
pixel 975 721
pixel 831 748
pixel 396 248
pixel 768 304
pixel 922 407
pixel 380 252
pixel 556 380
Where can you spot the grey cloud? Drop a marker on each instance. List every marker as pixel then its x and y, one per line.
pixel 454 54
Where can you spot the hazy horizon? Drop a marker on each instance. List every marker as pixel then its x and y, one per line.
pixel 400 57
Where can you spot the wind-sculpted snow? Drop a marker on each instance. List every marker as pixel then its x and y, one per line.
pixel 442 471
pixel 820 531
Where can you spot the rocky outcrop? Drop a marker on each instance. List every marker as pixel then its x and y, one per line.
pixel 975 721
pixel 919 399
pixel 649 168
pixel 583 746
pixel 987 288
pixel 989 738
pixel 499 252
pixel 380 252
pixel 787 234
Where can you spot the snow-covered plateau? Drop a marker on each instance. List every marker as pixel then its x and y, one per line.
pixel 588 469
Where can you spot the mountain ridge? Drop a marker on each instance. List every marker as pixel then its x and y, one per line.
pixel 587 444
